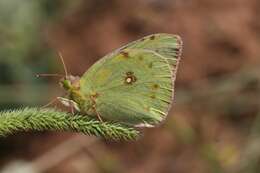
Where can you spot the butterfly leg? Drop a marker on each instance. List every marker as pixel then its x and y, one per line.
pixel 69 103
pixel 72 109
pixel 98 114
pixel 95 109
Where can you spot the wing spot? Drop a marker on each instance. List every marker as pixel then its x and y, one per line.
pixel 152 37
pixel 177 50
pixel 155 86
pixel 125 54
pixel 130 78
pixel 129 73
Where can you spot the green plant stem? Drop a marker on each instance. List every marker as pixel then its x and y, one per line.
pixel 38 119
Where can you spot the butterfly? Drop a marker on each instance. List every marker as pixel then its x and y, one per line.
pixel 133 85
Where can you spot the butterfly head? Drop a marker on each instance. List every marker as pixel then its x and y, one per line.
pixel 69 82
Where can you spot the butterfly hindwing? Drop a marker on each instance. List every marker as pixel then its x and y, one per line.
pixel 134 84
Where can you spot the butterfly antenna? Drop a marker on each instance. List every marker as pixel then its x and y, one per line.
pixel 49 75
pixel 64 65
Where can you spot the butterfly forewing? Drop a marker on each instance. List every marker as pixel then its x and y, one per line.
pixel 134 84
pixel 168 46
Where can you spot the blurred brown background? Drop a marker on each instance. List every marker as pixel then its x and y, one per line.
pixel 214 126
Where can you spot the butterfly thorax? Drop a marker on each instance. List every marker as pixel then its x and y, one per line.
pixel 71 84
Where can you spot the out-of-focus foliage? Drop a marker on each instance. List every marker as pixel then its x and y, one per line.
pixel 24 50
pixel 214 125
